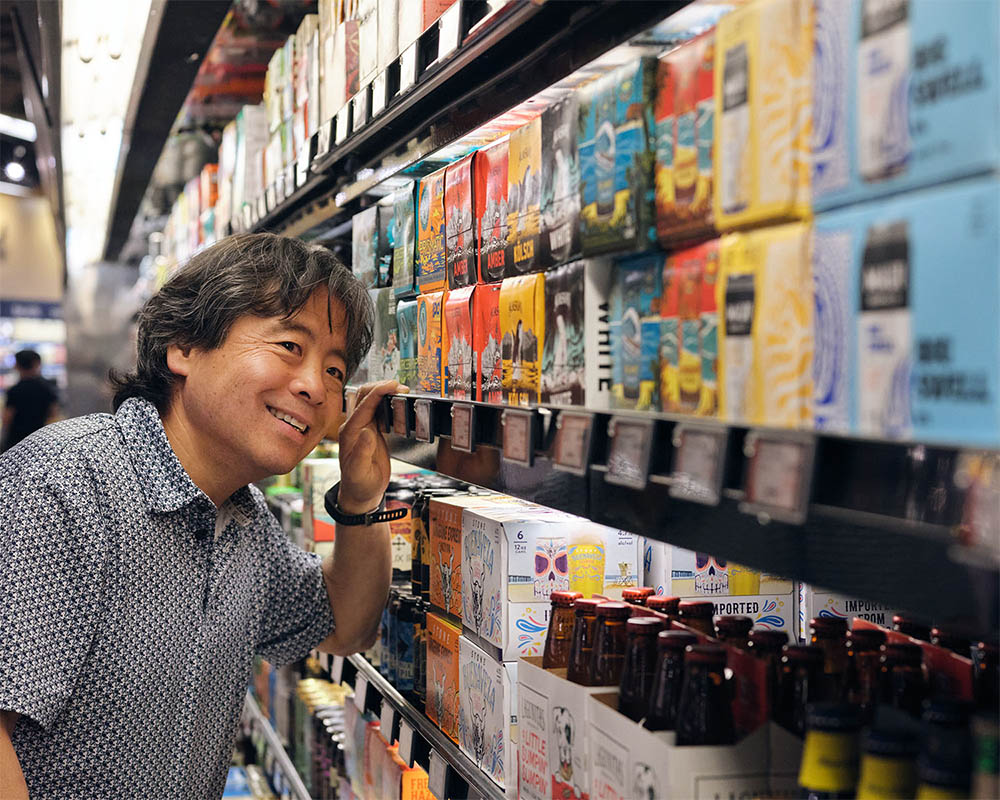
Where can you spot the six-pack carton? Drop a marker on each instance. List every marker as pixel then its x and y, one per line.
pixel 460 227
pixel 486 346
pixel 524 195
pixel 459 364
pixel 560 201
pixel 430 309
pixel 406 330
pixel 522 327
pixel 364 238
pixel 442 674
pixel 318 475
pixel 564 355
pixel 383 358
pixel 814 602
pixel 490 199
pixel 431 266
pixel 404 282
pixel 635 331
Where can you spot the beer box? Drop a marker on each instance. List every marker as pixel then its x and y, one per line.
pixel 384 359
pixel 815 602
pixel 598 277
pixel 416 16
pixel 403 242
pixel 763 93
pixel 328 105
pixel 318 475
pixel 617 154
pixel 431 271
pixel 635 331
pixel 486 350
pixel 406 327
pixel 685 135
pixel 388 33
pixel 524 197
pixel 680 328
pixel 560 203
pixel 442 674
pixel 766 341
pixel 429 314
pixel 251 138
pixel 909 98
pixel 385 242
pixel 459 338
pixel 522 325
pixel 367 19
pixel 364 241
pixel 564 354
pixel 487 713
pixel 460 230
pixel 345 63
pixel 490 198
pixel 621 557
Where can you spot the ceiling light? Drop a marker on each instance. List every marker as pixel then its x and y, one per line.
pixel 14 170
pixel 17 128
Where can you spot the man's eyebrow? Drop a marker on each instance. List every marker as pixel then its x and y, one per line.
pixel 283 325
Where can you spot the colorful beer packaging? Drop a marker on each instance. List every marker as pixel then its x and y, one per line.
pixel 406 328
pixel 404 242
pixel 598 367
pixel 815 602
pixel 431 268
pixel 486 350
pixel 834 307
pixel 522 324
pixel 617 154
pixel 430 308
pixel 460 230
pixel 524 190
pixel 635 331
pixel 685 128
pixel 907 96
pixel 763 94
pixel 384 357
pixel 459 337
pixel 766 339
pixel 560 204
pixel 442 674
pixel 364 243
pixel 490 196
pixel 564 355
pixel 385 242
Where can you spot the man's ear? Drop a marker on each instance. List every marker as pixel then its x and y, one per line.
pixel 179 359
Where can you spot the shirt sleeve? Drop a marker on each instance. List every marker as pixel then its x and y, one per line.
pixel 51 591
pixel 297 613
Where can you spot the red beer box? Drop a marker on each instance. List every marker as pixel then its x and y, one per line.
pixel 490 196
pixel 460 229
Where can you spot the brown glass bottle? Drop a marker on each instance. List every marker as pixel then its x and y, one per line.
pixel 829 766
pixel 986 677
pixel 799 684
pixel 665 605
pixel 704 711
pixel 637 595
pixel 667 680
pixel 560 634
pixel 697 614
pixel 830 634
pixel 864 654
pixel 640 665
pixel 582 646
pixel 733 630
pixel 911 627
pixel 767 644
pixel 902 679
pixel 949 641
pixel 608 658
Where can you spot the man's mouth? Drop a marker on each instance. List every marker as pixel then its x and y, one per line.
pixel 298 424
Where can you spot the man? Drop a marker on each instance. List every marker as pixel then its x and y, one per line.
pixel 140 574
pixel 31 402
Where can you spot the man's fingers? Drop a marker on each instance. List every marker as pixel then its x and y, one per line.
pixel 369 397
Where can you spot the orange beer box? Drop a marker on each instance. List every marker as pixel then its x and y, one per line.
pixel 460 230
pixel 442 674
pixel 459 338
pixel 431 270
pixel 524 190
pixel 445 544
pixel 429 314
pixel 486 347
pixel 522 325
pixel 490 196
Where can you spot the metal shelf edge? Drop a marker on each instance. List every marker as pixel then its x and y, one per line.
pixel 288 768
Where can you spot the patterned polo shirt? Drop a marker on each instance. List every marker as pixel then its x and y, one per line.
pixel 127 627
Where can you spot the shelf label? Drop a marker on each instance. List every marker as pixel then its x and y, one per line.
pixel 462 416
pixel 247 217
pixel 518 436
pixel 406 742
pixel 289 176
pixel 271 197
pixel 261 207
pixel 631 445
pixel 379 86
pixel 387 719
pixel 350 398
pixel 438 772
pixel 343 129
pixel 699 462
pixel 574 434
pixel 324 135
pixel 450 32
pixel 337 669
pixel 400 417
pixel 360 101
pixel 360 692
pixel 280 187
pixel 778 474
pixel 424 427
pixel 408 68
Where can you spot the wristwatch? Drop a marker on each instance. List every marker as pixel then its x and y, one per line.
pixel 376 515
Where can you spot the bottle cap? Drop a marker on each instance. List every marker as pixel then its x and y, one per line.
pixel 564 599
pixel 733 625
pixel 765 640
pixel 636 594
pixel 663 604
pixel 903 654
pixel 696 609
pixel 675 640
pixel 714 654
pixel 828 627
pixel 586 606
pixel 832 717
pixel 865 640
pixel 644 626
pixel 949 641
pixel 802 654
pixel 612 610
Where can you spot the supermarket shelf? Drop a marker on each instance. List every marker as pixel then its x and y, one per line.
pixel 462 778
pixel 294 781
pixel 878 518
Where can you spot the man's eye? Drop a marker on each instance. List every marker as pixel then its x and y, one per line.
pixel 336 373
pixel 291 347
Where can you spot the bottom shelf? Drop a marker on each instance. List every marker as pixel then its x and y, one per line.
pixel 283 773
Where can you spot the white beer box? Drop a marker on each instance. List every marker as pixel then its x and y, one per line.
pixel 815 602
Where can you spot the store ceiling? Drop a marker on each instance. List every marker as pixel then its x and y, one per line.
pixel 12 105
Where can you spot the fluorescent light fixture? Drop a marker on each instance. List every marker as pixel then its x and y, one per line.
pixel 14 170
pixel 17 128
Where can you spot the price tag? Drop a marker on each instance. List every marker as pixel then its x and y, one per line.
pixel 387 719
pixel 699 462
pixel 423 427
pixel 281 187
pixel 324 136
pixel 400 417
pixel 289 181
pixel 379 86
pixel 574 434
pixel 271 197
pixel 360 692
pixel 462 421
pixel 302 167
pixel 629 452
pixel 247 217
pixel 406 742
pixel 518 436
pixel 361 107
pixel 261 207
pixel 450 31
pixel 438 774
pixel 350 398
pixel 408 68
pixel 337 669
pixel 343 129
pixel 779 474
pixel 324 662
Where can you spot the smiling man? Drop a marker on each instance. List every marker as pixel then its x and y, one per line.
pixel 140 572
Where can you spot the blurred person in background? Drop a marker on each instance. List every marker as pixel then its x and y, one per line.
pixel 31 402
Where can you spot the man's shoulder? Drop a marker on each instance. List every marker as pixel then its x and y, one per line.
pixel 62 446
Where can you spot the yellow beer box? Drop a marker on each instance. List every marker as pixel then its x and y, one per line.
pixel 522 330
pixel 763 96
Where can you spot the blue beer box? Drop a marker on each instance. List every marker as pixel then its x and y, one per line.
pixel 635 331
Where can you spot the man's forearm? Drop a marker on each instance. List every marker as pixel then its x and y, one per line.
pixel 357 578
pixel 12 784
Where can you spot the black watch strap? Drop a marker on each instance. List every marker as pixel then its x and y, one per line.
pixel 372 517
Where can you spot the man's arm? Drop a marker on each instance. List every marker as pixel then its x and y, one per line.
pixel 358 574
pixel 12 785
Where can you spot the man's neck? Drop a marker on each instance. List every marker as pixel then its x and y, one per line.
pixel 207 474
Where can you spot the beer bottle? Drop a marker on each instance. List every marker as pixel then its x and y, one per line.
pixel 799 684
pixel 986 677
pixel 406 644
pixel 902 679
pixel 420 656
pixel 394 596
pixel 582 646
pixel 560 635
pixel 947 738
pixel 911 627
pixel 888 765
pixel 986 767
pixel 864 653
pixel 829 767
pixel 697 614
pixel 941 781
pixel 608 657
pixel 667 680
pixel 637 595
pixel 766 644
pixel 830 634
pixel 705 711
pixel 640 664
pixel 665 605
pixel 950 641
pixel 733 630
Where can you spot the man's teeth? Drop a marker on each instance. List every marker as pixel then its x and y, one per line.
pixel 301 427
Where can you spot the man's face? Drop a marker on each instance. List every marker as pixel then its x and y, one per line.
pixel 266 396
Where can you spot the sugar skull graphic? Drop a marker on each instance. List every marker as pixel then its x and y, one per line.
pixel 644 783
pixel 711 575
pixel 551 566
pixel 563 728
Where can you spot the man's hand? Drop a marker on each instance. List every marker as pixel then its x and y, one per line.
pixel 364 456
